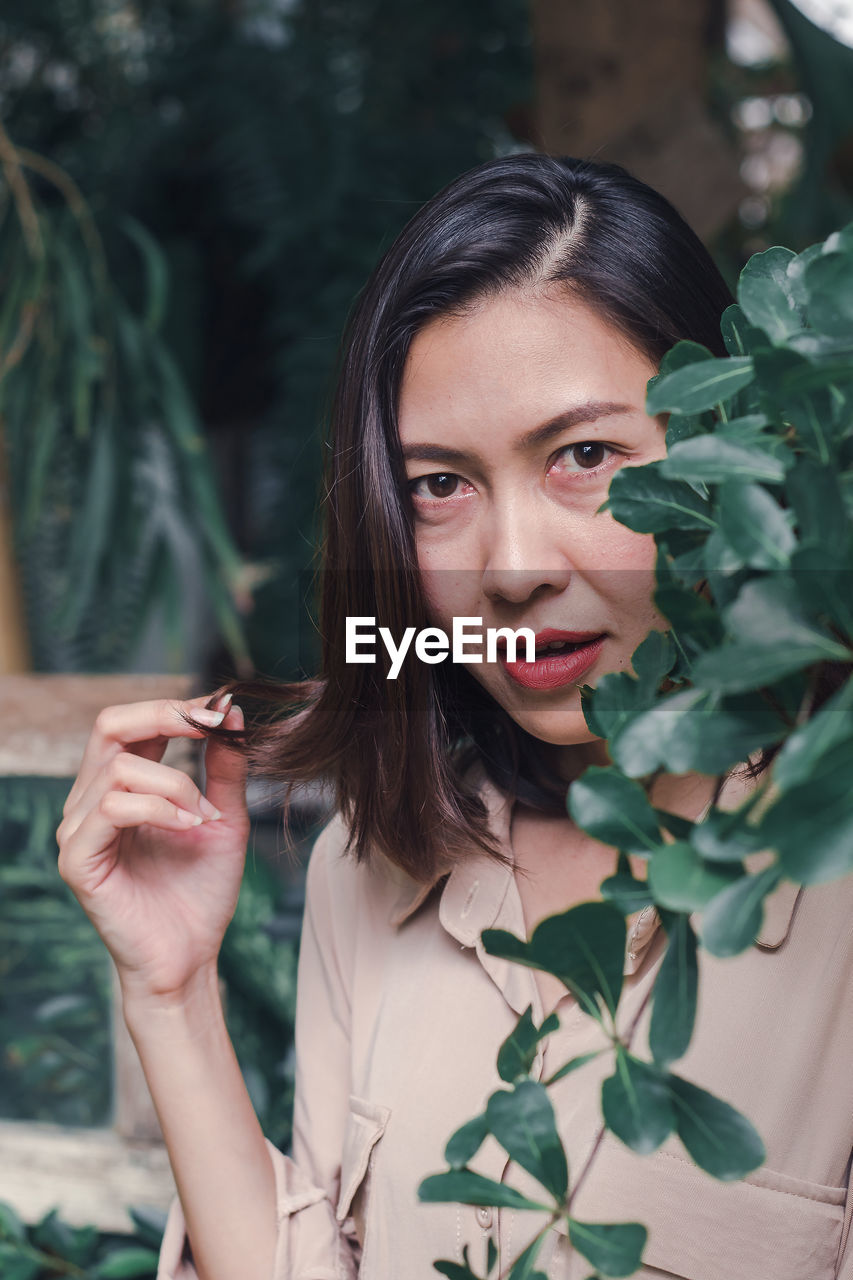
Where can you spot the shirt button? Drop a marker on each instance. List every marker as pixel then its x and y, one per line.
pixel 484 1217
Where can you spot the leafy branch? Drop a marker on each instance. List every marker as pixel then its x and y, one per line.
pixel 751 512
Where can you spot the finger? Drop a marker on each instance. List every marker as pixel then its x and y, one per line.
pixel 116 811
pixel 225 770
pixel 151 723
pixel 128 772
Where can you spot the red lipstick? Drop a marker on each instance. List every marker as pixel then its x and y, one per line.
pixel 561 657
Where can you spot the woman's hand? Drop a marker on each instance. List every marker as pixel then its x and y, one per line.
pixel 156 865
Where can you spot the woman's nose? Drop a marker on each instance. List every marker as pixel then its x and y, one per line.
pixel 522 554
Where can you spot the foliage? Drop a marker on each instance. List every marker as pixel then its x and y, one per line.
pixel 56 1057
pixel 51 1248
pixel 109 471
pixel 55 1035
pixel 271 151
pixel 752 513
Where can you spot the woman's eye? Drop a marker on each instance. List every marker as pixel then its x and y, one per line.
pixel 589 455
pixel 441 484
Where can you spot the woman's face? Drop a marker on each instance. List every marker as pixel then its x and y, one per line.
pixel 513 421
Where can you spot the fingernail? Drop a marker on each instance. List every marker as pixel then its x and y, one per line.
pixel 210 811
pixel 188 819
pixel 211 718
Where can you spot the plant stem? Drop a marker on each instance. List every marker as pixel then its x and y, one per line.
pixel 539 1234
pixel 10 160
pixel 599 1137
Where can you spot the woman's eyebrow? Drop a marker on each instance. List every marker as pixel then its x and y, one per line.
pixel 590 411
pixel 579 413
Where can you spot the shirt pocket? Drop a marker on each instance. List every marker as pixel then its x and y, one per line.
pixel 365 1126
pixel 769 1227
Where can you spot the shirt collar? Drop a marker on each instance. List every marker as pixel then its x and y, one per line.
pixel 476 888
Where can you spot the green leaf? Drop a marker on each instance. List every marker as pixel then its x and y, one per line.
pixel 796 272
pixel 814 492
pixel 675 992
pixel 647 502
pixel 491 1254
pixel 523 1267
pixel 724 836
pixel 700 386
pixel 15 1265
pixel 654 657
pixel 829 281
pixel 693 729
pixel 739 667
pixel 717 1137
pixel 804 748
pixel 775 638
pixel 756 526
pixel 54 1234
pixel 150 1223
pixel 768 612
pixel 732 920
pixel 624 890
pixel 156 272
pixel 749 432
pixel 464 1144
pixel 522 1121
pixel 456 1270
pixel 680 356
pixel 614 1249
pixel 636 1105
pixel 714 459
pixel 613 809
pixel 125 1264
pixel 11 1226
pixel 584 947
pixel 766 294
pixel 613 701
pixel 464 1186
pixel 811 824
pixel 516 1054
pixel 680 880
pixel 740 337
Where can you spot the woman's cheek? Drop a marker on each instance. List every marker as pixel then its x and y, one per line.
pixel 450 591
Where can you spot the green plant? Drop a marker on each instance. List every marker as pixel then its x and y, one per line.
pixel 55 1035
pixel 755 501
pixel 51 1248
pixel 55 1058
pixel 107 467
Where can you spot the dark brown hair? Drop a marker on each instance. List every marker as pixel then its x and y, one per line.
pixel 396 751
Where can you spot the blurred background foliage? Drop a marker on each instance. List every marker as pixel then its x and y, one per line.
pixel 55 991
pixel 269 151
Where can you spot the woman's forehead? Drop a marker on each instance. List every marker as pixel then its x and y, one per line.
pixel 516 357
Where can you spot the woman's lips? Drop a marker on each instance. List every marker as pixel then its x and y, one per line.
pixel 552 670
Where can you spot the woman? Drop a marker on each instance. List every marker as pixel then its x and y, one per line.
pixel 492 382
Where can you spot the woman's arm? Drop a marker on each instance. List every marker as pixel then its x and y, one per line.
pixel 218 1153
pixel 308 1242
pixel 157 867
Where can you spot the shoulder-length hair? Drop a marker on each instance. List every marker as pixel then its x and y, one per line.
pixel 397 751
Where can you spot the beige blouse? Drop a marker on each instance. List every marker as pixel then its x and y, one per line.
pixel 400 1015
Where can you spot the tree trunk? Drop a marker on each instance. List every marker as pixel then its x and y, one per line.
pixel 625 82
